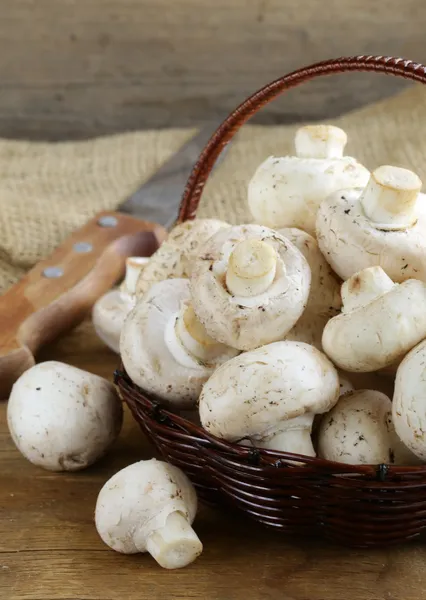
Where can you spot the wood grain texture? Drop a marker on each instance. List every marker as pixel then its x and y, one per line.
pixel 49 548
pixel 74 68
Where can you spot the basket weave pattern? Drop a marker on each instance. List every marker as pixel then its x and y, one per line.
pixel 358 505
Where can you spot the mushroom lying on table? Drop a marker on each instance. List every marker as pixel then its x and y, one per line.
pixel 287 191
pixel 408 406
pixel 359 430
pixel 174 257
pixel 110 311
pixel 270 396
pixel 383 224
pixel 165 349
pixel 249 286
pixel 380 321
pixel 324 300
pixel 62 418
pixel 149 507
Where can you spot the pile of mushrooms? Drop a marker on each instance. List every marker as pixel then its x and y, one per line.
pixel 291 332
pixel 303 332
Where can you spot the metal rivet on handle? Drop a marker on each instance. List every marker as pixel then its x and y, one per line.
pixel 53 272
pixel 108 221
pixel 82 247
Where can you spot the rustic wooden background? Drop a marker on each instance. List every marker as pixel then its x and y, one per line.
pixel 77 68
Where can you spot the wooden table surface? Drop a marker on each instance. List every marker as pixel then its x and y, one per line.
pixel 49 548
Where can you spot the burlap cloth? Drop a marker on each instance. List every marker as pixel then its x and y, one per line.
pixel 47 190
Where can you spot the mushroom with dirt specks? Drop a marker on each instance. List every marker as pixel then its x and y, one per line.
pixel 324 300
pixel 359 430
pixel 62 418
pixel 165 349
pixel 287 191
pixel 111 309
pixel 382 224
pixel 409 401
pixel 174 257
pixel 149 507
pixel 270 396
pixel 249 286
pixel 380 321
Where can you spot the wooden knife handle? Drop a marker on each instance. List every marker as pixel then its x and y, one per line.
pixel 58 292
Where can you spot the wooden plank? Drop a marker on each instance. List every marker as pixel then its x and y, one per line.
pixel 49 548
pixel 72 68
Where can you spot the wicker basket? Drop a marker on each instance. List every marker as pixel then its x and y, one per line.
pixel 353 505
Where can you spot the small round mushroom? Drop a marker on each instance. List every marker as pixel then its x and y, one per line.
pixel 165 349
pixel 249 286
pixel 287 191
pixel 380 321
pixel 324 300
pixel 149 507
pixel 174 257
pixel 408 410
pixel 383 224
pixel 62 418
pixel 270 396
pixel 110 311
pixel 359 430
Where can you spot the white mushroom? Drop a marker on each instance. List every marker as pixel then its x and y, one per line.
pixel 149 507
pixel 324 299
pixel 409 405
pixel 380 321
pixel 383 224
pixel 287 191
pixel 165 349
pixel 62 418
pixel 249 286
pixel 359 430
pixel 270 396
pixel 174 257
pixel 110 311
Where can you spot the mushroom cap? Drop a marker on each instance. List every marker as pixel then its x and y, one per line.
pixel 408 406
pixel 174 257
pixel 324 299
pixel 287 191
pixel 108 316
pixel 110 310
pixel 359 430
pixel 351 242
pixel 247 323
pixel 138 499
pixel 145 353
pixel 255 393
pixel 62 418
pixel 381 332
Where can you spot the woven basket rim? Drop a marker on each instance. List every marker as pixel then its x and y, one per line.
pixel 168 420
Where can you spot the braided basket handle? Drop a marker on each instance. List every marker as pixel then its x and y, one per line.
pixel 225 132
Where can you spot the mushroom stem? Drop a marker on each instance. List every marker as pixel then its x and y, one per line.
pixel 251 268
pixel 188 341
pixel 364 287
pixel 389 199
pixel 320 141
pixel 297 441
pixel 174 545
pixel 134 265
pixel 294 436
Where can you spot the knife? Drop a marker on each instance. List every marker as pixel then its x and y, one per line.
pixel 57 294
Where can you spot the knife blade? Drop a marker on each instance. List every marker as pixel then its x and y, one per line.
pixel 57 294
pixel 159 198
